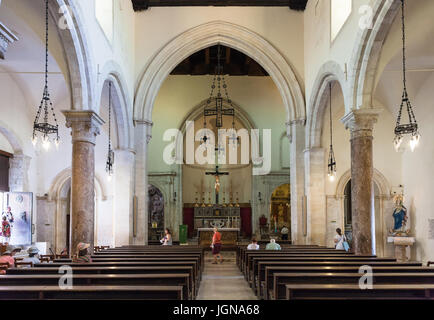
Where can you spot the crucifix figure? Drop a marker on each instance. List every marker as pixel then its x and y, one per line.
pixel 217 175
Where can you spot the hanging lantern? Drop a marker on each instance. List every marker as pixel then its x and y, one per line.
pixel 49 131
pixel 219 111
pixel 331 161
pixel 410 128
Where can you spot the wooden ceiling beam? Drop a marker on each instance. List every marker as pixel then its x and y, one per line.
pixel 299 5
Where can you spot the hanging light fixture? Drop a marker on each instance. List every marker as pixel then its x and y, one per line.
pixel 411 127
pixel 42 125
pixel 332 161
pixel 110 153
pixel 217 83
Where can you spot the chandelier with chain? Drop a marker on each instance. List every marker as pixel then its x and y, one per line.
pixel 332 161
pixel 411 127
pixel 41 124
pixel 110 153
pixel 219 111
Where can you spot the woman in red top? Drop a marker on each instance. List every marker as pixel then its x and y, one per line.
pixel 216 246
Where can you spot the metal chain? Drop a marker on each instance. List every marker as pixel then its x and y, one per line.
pixel 110 117
pixel 331 121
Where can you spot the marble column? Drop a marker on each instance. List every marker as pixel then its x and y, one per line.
pixel 361 124
pixel 315 193
pixel 296 134
pixel 143 135
pixel 85 126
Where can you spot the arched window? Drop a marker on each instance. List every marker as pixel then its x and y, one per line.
pixel 339 13
pixel 104 16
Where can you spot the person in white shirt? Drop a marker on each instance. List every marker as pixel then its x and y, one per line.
pixel 284 232
pixel 253 246
pixel 339 240
pixel 33 255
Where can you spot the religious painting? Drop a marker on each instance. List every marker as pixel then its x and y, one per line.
pixel 156 212
pixel 280 208
pixel 16 218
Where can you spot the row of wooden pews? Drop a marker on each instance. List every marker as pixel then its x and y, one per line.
pixel 130 272
pixel 314 272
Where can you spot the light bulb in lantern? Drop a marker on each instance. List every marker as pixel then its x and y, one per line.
pixel 414 141
pixel 46 143
pixel 109 177
pixel 332 176
pixel 397 142
pixel 34 140
pixel 56 143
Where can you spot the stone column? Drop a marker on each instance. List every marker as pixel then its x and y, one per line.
pixel 315 193
pixel 296 131
pixel 85 127
pixel 142 137
pixel 361 123
pixel 123 186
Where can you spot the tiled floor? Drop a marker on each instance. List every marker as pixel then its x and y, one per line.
pixel 223 281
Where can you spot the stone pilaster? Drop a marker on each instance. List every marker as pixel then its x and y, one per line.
pixel 123 186
pixel 296 131
pixel 361 123
pixel 143 135
pixel 18 173
pixel 85 126
pixel 315 193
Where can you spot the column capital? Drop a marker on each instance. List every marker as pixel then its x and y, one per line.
pixel 291 124
pixel 361 121
pixel 85 125
pixel 147 128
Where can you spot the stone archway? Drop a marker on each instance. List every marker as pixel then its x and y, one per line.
pixel 315 154
pixel 382 205
pixel 256 47
pixel 366 54
pixel 79 60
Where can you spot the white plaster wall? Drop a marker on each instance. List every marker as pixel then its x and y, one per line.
pixel 282 27
pixel 318 48
pixel 257 96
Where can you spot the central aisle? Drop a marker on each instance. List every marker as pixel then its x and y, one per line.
pixel 223 281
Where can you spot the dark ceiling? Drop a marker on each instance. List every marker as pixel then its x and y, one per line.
pixel 234 63
pixel 140 5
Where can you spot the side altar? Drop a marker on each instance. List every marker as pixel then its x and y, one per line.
pixel 226 219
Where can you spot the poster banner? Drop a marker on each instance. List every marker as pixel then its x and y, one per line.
pixel 16 228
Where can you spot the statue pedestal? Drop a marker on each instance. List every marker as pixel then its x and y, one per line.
pixel 401 244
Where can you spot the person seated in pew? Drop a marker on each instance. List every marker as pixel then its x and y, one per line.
pixel 8 257
pixel 339 239
pixel 83 253
pixel 284 232
pixel 272 245
pixel 254 245
pixel 167 239
pixel 33 255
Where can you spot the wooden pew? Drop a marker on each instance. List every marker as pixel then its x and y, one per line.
pixel 268 284
pixel 102 292
pixel 154 262
pixel 259 274
pixel 113 270
pixel 282 279
pixel 150 279
pixel 344 291
pixel 252 267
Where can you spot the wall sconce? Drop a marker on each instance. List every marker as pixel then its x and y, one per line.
pixel 174 196
pixel 259 197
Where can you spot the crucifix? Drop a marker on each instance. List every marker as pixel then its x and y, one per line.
pixel 217 175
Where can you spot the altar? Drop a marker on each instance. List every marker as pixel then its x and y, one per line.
pixel 229 236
